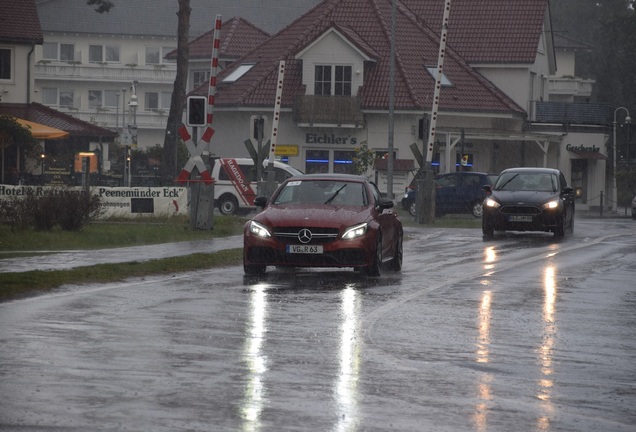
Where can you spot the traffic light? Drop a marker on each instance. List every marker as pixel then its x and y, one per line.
pixel 196 112
pixel 259 127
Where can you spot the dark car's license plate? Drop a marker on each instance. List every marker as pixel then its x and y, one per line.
pixel 519 218
pixel 304 249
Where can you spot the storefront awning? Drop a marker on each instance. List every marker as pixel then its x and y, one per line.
pixel 41 131
pixel 590 155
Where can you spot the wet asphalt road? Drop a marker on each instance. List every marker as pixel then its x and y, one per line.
pixel 518 334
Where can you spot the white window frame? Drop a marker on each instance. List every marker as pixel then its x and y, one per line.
pixel 332 80
pixel 106 50
pixel 239 72
pixel 432 70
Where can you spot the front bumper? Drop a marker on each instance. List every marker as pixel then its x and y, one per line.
pixel 537 219
pixel 270 251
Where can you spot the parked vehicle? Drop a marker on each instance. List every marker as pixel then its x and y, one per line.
pixel 459 192
pixel 634 208
pixel 529 199
pixel 235 182
pixel 324 220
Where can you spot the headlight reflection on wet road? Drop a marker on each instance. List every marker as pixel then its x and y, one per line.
pixel 546 349
pixel 255 359
pixel 484 390
pixel 346 385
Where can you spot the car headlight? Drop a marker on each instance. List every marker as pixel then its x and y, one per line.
pixel 259 229
pixel 551 205
pixel 492 203
pixel 355 231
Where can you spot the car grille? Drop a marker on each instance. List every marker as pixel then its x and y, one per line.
pixel 527 210
pixel 318 235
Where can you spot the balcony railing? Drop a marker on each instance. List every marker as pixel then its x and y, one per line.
pixel 571 86
pixel 164 74
pixel 574 113
pixel 342 111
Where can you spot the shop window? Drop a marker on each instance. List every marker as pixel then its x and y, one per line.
pixel 317 161
pixel 343 162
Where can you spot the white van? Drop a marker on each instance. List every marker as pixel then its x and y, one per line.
pixel 235 185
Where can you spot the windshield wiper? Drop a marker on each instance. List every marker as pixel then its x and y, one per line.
pixel 507 181
pixel 335 194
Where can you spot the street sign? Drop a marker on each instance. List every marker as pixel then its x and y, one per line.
pixel 126 139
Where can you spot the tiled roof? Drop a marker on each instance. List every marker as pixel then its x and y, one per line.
pixel 42 114
pixel 417 47
pixel 564 42
pixel 488 31
pixel 19 22
pixel 237 37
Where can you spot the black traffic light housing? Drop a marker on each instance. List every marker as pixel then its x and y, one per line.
pixel 196 112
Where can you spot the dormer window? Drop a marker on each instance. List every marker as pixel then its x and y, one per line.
pixel 330 80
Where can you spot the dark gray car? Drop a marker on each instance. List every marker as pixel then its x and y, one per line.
pixel 529 199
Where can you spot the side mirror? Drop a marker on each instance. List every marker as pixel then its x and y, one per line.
pixel 568 190
pixel 260 201
pixel 487 189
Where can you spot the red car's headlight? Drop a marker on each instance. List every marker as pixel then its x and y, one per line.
pixel 355 231
pixel 259 229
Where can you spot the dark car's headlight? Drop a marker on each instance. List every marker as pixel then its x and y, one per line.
pixel 355 231
pixel 551 205
pixel 491 203
pixel 259 229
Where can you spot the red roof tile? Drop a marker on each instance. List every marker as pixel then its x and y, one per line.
pixel 416 45
pixel 19 22
pixel 237 37
pixel 488 31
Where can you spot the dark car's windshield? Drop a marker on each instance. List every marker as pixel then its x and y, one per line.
pixel 314 191
pixel 519 181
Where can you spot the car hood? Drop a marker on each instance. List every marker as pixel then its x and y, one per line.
pixel 318 216
pixel 524 197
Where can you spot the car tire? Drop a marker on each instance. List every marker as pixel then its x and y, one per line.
pixel 375 268
pixel 228 205
pixel 487 230
pixel 253 270
pixel 396 262
pixel 477 209
pixel 412 209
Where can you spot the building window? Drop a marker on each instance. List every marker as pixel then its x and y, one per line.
pixel 94 98
pixel 316 161
pixel 322 81
pixel 49 96
pixel 165 51
pixel 67 99
pixel 111 98
pixel 343 162
pixel 151 101
pixel 58 52
pixel 153 55
pixel 445 81
pixel 5 64
pixel 103 53
pixel 329 77
pixel 343 81
pixel 200 77
pixel 238 72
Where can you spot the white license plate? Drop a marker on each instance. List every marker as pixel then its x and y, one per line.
pixel 304 249
pixel 518 218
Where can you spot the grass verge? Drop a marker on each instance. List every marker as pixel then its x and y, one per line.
pixel 20 285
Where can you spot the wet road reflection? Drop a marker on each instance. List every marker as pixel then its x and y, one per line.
pixel 255 359
pixel 484 390
pixel 545 351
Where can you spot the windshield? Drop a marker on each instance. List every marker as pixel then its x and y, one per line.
pixel 333 192
pixel 516 181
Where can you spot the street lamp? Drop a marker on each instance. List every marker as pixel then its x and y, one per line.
pixel 628 120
